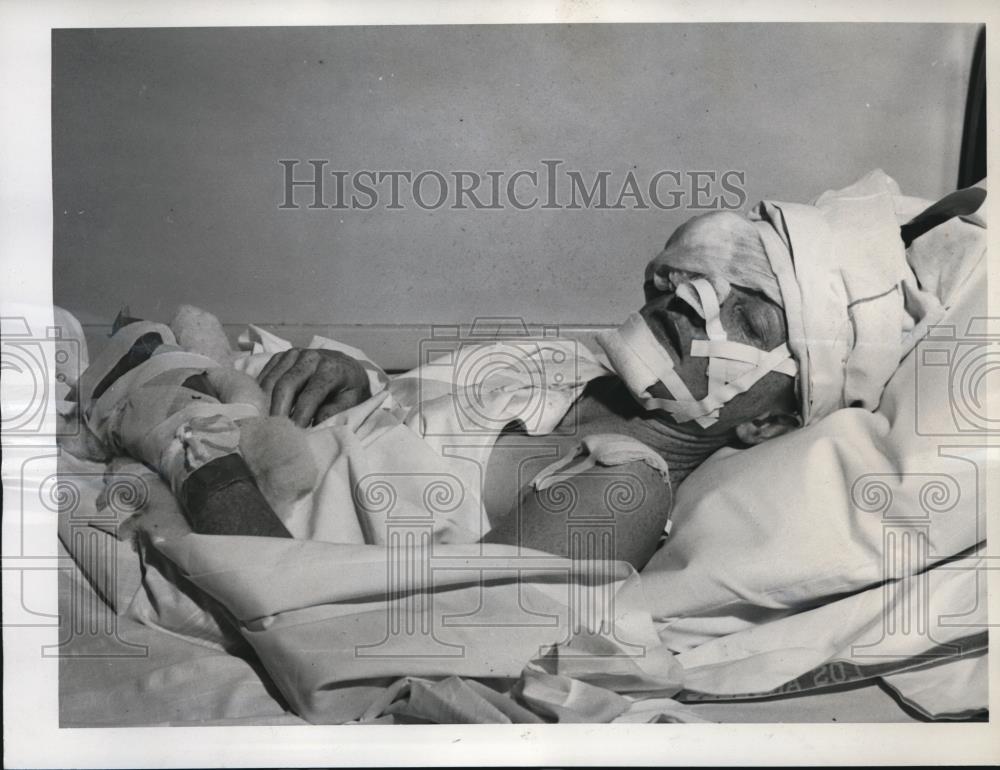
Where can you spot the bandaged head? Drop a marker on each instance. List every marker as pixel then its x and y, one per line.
pixel 838 270
pixel 733 366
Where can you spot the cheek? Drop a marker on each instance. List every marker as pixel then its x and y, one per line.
pixel 768 394
pixel 694 372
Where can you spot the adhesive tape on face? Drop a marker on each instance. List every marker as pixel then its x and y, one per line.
pixel 733 367
pixel 641 361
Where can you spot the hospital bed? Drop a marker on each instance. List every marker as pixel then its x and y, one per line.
pixel 835 574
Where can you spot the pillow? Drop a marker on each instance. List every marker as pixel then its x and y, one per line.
pixel 761 533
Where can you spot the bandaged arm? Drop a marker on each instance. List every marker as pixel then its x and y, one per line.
pixel 593 505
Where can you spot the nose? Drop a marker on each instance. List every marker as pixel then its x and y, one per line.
pixel 656 279
pixel 679 307
pixel 655 284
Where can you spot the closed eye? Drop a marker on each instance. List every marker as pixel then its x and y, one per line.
pixel 750 325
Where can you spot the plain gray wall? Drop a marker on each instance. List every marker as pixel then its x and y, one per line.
pixel 166 146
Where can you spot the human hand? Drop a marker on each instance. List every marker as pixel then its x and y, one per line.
pixel 309 385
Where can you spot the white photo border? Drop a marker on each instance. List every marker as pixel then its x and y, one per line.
pixel 31 732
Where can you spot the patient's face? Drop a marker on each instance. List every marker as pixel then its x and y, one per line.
pixel 747 317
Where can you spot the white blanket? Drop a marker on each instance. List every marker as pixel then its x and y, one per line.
pixel 782 577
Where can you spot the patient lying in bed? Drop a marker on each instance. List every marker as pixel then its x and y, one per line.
pixel 729 348
pixel 309 605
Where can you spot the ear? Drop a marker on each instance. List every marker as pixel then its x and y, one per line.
pixel 767 425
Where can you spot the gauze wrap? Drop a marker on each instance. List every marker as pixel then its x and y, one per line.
pixel 724 248
pixel 838 267
pixel 853 304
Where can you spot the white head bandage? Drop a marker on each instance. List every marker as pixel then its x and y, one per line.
pixel 733 367
pixel 853 303
pixel 855 299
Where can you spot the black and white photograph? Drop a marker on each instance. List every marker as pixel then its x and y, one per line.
pixel 370 378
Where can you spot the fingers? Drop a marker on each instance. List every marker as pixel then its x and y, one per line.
pixel 275 368
pixel 311 399
pixel 291 381
pixel 271 362
pixel 340 403
pixel 310 385
pixel 337 384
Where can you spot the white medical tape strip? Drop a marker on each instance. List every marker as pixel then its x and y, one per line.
pixel 704 412
pixel 732 351
pixel 719 347
pixel 709 310
pixel 729 350
pixel 681 409
pixel 688 294
pixel 636 336
pixel 719 371
pixel 155 365
pixel 750 378
pixel 707 410
pixel 733 367
pixel 737 351
pixel 788 366
pixel 114 351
